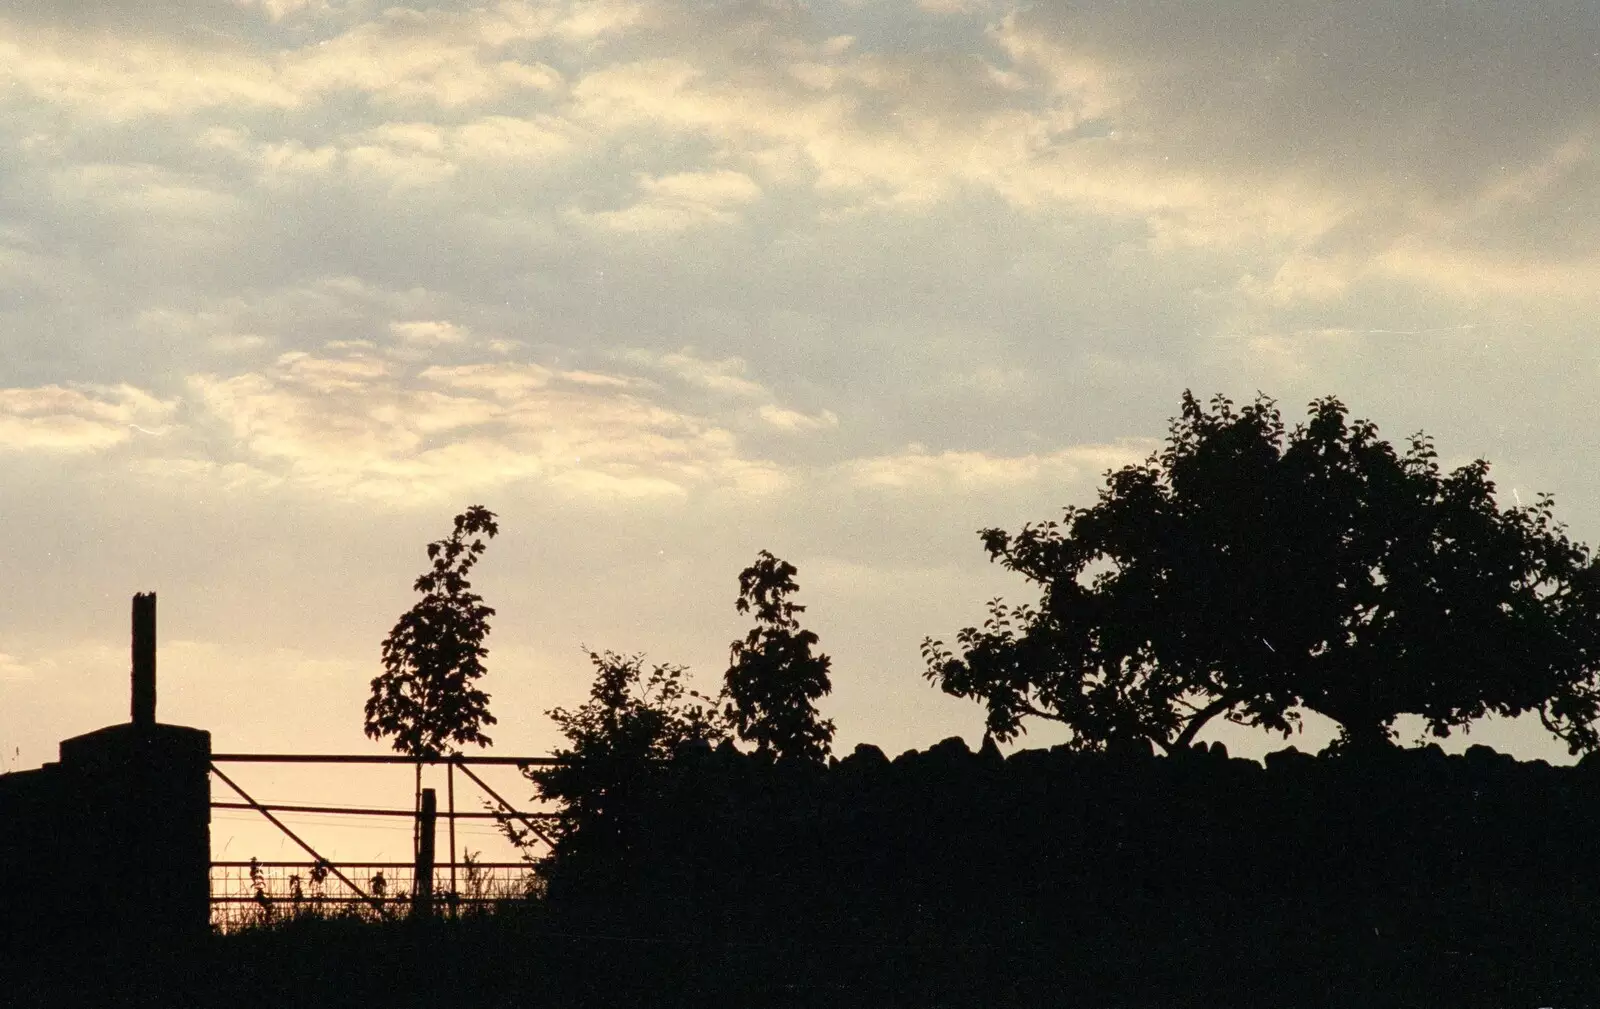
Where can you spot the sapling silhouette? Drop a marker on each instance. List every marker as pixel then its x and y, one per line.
pixel 427 698
pixel 773 679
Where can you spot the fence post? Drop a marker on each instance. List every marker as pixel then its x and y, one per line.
pixel 422 887
pixel 144 659
pixel 450 780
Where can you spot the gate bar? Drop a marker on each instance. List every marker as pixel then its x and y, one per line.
pixel 292 835
pixel 346 810
pixel 379 758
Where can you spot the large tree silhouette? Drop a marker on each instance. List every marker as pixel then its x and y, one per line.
pixel 773 678
pixel 427 698
pixel 1247 572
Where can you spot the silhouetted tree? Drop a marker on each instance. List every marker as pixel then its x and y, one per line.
pixel 427 698
pixel 1247 572
pixel 773 677
pixel 620 741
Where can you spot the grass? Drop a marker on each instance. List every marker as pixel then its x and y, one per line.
pixel 274 897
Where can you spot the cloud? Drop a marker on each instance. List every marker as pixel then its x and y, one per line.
pixel 277 10
pixel 511 139
pixel 1350 132
pixel 398 170
pixel 402 158
pixel 1383 89
pixel 874 129
pixel 77 419
pixel 126 76
pixel 428 333
pixel 331 375
pixel 1030 113
pixel 919 470
pixel 779 122
pixel 164 63
pixel 406 57
pixel 681 201
pixel 13 668
pixel 500 381
pixel 286 162
pixel 212 328
pixel 728 376
pixel 237 343
pixel 361 427
pixel 1281 129
pixel 1473 273
pixel 139 191
pixel 793 420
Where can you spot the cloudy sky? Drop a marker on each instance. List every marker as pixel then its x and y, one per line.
pixel 285 284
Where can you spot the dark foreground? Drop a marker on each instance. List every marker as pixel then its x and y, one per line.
pixel 948 878
pixel 525 958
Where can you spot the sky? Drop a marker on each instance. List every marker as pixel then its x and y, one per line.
pixel 286 284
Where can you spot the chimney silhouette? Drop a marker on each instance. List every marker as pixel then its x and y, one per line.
pixel 144 658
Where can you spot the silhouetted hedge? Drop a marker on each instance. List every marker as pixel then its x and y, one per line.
pixel 1404 871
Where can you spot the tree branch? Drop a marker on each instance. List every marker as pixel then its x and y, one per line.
pixel 1028 709
pixel 1192 728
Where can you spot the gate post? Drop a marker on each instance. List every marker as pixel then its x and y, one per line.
pixel 113 840
pixel 136 801
pixel 422 876
pixel 140 799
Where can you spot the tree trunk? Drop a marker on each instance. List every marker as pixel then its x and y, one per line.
pixel 1197 722
pixel 416 811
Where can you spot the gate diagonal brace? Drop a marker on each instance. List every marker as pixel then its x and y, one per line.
pixel 511 811
pixel 264 811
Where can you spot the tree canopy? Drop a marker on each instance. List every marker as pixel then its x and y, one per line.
pixel 1247 571
pixel 773 679
pixel 620 740
pixel 427 698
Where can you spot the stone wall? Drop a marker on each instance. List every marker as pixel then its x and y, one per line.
pixel 110 843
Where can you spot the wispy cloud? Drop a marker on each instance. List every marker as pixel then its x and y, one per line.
pixel 13 668
pixel 793 420
pixel 678 202
pixel 429 333
pixel 78 419
pixel 365 427
pixel 919 470
pixel 727 375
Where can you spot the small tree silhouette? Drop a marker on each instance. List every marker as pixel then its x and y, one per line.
pixel 426 697
pixel 773 678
